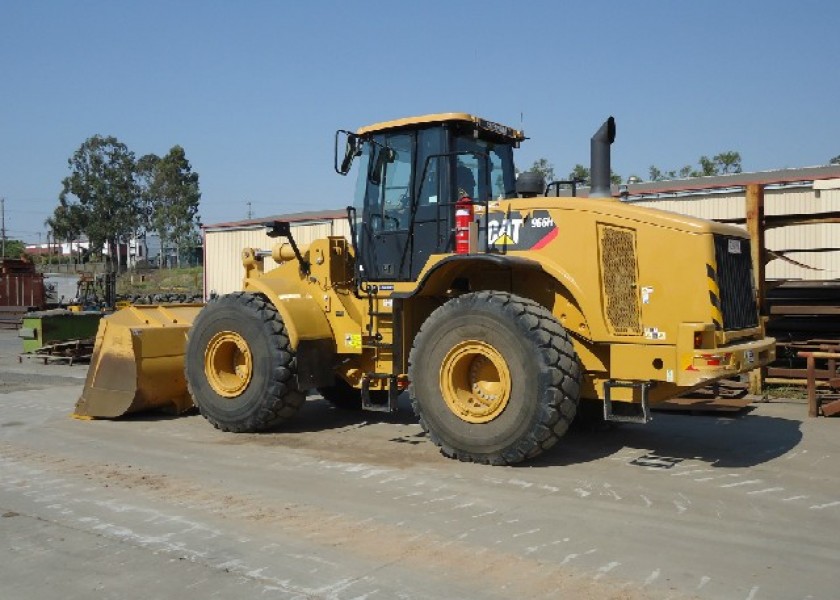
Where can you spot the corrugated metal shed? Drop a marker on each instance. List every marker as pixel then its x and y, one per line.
pixel 223 244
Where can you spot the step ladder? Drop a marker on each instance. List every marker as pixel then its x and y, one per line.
pixel 626 412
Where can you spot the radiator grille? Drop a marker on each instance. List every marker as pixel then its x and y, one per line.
pixel 735 283
pixel 618 279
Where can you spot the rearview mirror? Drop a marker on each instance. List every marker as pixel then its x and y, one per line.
pixel 380 156
pixel 350 142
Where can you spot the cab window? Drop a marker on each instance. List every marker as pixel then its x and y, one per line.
pixel 388 186
pixel 499 182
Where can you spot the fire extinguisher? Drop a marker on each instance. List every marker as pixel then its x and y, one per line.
pixel 463 218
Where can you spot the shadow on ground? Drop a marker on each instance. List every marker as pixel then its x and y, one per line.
pixel 734 441
pixel 743 440
pixel 316 414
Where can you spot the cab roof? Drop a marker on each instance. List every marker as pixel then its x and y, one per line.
pixel 478 122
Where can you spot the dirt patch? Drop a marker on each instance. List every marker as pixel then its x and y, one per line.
pixel 383 440
pixel 22 382
pixel 380 542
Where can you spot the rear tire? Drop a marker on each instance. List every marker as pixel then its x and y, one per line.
pixel 494 378
pixel 240 366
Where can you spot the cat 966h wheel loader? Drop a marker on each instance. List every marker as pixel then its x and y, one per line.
pixel 498 307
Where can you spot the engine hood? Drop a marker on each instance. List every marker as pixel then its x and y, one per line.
pixel 622 210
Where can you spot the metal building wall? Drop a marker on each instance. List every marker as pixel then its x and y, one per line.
pixel 223 246
pixel 780 201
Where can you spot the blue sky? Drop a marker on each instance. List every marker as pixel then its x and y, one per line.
pixel 254 91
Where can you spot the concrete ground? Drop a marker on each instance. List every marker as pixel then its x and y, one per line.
pixel 339 505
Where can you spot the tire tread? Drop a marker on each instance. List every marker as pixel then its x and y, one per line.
pixel 559 367
pixel 283 400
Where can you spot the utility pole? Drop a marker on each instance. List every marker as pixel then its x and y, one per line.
pixel 249 210
pixel 756 227
pixel 3 225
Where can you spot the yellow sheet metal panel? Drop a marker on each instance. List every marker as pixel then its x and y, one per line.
pixel 301 312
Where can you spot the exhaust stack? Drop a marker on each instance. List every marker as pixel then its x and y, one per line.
pixel 599 162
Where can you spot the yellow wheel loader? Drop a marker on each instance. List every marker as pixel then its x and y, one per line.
pixel 498 305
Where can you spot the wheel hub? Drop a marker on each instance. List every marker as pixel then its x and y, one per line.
pixel 228 364
pixel 475 381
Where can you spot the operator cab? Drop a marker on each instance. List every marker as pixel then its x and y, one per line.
pixel 411 174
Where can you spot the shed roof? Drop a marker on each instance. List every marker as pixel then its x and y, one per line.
pixel 734 180
pixel 301 217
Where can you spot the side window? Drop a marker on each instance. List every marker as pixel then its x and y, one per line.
pixel 429 144
pixel 473 175
pixel 466 176
pixel 497 177
pixel 396 183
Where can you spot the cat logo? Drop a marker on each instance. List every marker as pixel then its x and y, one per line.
pixel 513 230
pixel 504 232
pixel 504 240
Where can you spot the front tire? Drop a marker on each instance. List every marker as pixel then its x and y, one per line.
pixel 240 366
pixel 494 378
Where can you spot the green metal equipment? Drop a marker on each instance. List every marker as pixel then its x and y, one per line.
pixel 45 328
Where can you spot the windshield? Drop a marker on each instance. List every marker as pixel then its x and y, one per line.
pixel 502 179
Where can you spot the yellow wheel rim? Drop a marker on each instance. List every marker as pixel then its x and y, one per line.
pixel 475 381
pixel 228 364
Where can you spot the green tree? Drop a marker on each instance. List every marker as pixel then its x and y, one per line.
pixel 720 164
pixel 106 200
pixel 655 174
pixel 583 175
pixel 544 168
pixel 580 173
pixel 13 249
pixel 708 167
pixel 835 160
pixel 728 162
pixel 170 198
pixel 67 222
pixel 145 170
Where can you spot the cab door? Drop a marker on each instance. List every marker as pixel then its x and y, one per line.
pixel 384 230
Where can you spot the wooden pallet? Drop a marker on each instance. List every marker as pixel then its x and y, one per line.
pixel 70 351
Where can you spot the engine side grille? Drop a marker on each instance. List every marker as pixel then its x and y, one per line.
pixel 618 279
pixel 735 283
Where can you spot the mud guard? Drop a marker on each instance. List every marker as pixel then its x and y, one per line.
pixel 309 330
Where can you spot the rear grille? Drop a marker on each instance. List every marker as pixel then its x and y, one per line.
pixel 734 278
pixel 618 279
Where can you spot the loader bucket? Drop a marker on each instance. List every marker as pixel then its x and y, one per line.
pixel 138 362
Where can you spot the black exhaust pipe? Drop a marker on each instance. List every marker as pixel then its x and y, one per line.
pixel 599 161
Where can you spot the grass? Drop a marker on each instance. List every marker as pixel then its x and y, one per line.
pixel 793 392
pixel 152 281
